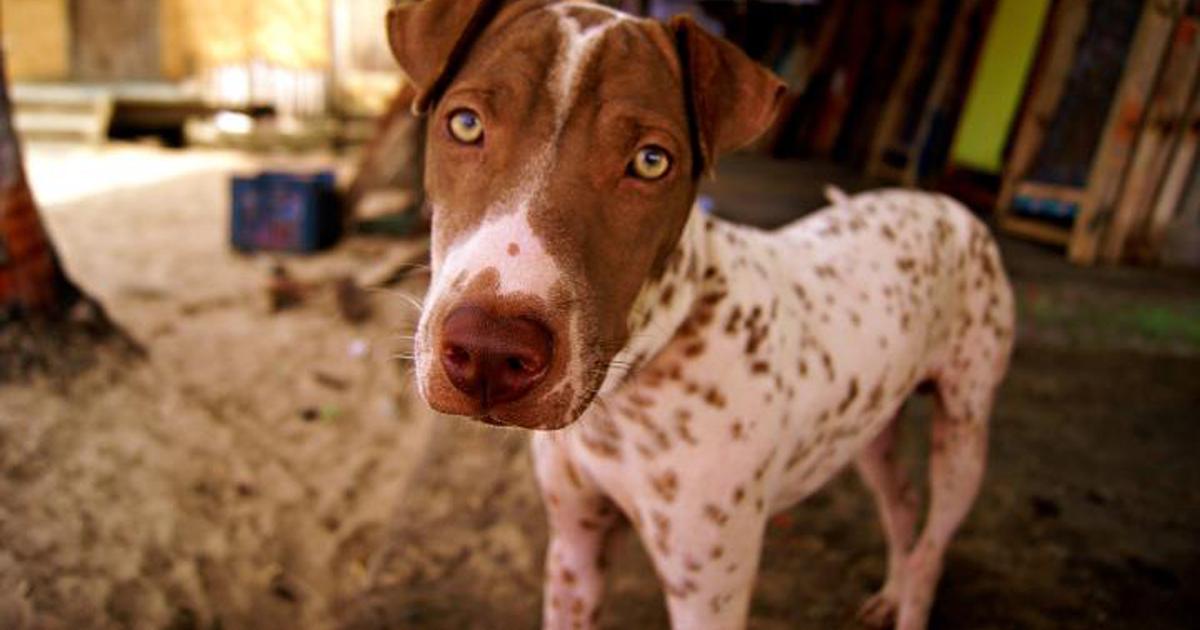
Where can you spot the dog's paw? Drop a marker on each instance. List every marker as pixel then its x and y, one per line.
pixel 878 612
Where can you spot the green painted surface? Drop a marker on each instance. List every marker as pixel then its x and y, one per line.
pixel 998 85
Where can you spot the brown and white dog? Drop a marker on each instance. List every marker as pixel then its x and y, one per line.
pixel 704 375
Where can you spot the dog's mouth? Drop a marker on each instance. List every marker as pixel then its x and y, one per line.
pixel 489 420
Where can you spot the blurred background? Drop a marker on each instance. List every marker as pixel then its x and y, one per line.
pixel 212 256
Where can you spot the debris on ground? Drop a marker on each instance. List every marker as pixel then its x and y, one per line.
pixel 352 301
pixel 283 292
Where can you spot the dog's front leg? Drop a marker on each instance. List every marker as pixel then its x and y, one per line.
pixel 706 553
pixel 581 519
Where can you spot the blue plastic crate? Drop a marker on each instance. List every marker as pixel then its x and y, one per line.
pixel 288 212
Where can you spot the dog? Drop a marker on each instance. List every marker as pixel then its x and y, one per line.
pixel 682 373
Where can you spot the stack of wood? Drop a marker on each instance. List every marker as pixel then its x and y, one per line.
pixel 1075 119
pixel 1106 148
pixel 880 85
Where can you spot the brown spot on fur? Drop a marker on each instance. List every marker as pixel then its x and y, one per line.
pixel 827 361
pixel 641 400
pixel 715 514
pixel 875 398
pixel 735 317
pixel 666 485
pixel 602 448
pixel 760 367
pixel 514 249
pixel 851 394
pixel 662 527
pixel 683 427
pixel 715 398
pixel 826 271
pixel 572 474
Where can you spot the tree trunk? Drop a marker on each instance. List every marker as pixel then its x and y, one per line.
pixel 32 281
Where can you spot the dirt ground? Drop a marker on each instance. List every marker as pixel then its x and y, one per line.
pixel 272 470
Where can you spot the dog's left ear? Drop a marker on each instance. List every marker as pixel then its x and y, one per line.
pixel 732 99
pixel 431 38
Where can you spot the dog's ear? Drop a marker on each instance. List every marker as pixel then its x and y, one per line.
pixel 732 99
pixel 431 38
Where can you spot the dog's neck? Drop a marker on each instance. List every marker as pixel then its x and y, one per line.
pixel 678 303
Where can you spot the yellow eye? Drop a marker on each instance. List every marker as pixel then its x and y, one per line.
pixel 650 163
pixel 466 127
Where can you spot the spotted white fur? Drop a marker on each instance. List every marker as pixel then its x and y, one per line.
pixel 769 362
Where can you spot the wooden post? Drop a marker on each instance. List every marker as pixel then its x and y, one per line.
pixel 902 91
pixel 955 55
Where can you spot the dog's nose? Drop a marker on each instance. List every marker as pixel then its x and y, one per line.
pixel 494 359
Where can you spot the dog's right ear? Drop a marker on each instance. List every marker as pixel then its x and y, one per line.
pixel 731 99
pixel 431 38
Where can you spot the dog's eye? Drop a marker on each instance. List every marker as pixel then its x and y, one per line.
pixel 650 163
pixel 466 127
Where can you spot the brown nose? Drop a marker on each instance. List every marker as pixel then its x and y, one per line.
pixel 494 359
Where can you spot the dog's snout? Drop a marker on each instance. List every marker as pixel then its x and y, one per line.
pixel 494 359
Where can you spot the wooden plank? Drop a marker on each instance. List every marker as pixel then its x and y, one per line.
pixel 954 56
pixel 1033 229
pixel 850 64
pixel 902 92
pixel 1059 50
pixel 1168 109
pixel 1179 173
pixel 809 82
pixel 879 75
pixel 1058 192
pixel 1124 120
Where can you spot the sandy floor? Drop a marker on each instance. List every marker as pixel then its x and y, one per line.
pixel 260 470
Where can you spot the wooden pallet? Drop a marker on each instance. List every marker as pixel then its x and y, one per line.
pixel 1125 119
pixel 1063 33
pixel 1152 156
pixel 1087 208
pixel 1169 202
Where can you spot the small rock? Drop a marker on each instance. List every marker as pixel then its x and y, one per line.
pixel 352 301
pixel 1044 507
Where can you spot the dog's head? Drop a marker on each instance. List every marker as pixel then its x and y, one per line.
pixel 565 142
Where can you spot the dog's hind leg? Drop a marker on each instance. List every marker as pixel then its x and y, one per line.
pixel 957 459
pixel 897 505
